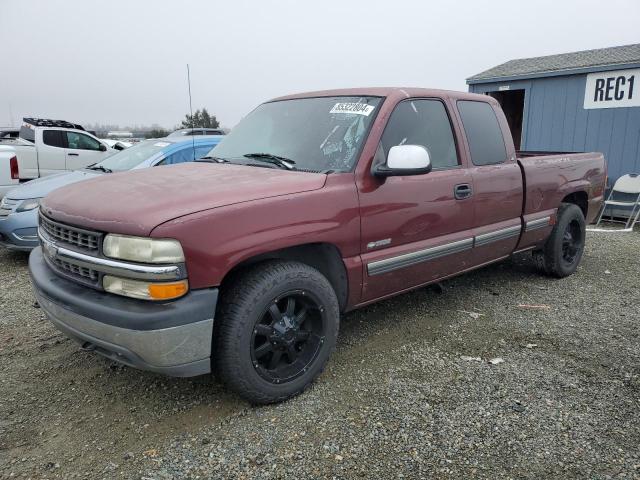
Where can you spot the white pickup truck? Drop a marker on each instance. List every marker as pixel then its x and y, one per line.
pixel 52 146
pixel 8 169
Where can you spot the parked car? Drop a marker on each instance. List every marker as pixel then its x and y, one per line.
pixel 197 131
pixel 315 204
pixel 19 208
pixel 8 169
pixel 52 146
pixel 116 144
pixel 8 133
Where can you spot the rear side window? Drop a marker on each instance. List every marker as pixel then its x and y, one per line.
pixel 53 138
pixel 426 123
pixel 27 134
pixel 483 132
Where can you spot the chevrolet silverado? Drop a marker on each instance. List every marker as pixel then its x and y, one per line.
pixel 315 204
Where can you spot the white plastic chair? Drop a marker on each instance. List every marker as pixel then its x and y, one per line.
pixel 629 186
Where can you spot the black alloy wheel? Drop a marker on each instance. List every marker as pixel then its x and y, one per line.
pixel 572 242
pixel 288 336
pixel 275 328
pixel 562 252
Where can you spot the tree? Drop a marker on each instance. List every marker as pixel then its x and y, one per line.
pixel 200 119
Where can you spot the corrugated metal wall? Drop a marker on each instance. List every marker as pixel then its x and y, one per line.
pixel 554 119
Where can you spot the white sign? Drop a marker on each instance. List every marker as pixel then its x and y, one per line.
pixel 620 88
pixel 357 108
pixel 502 88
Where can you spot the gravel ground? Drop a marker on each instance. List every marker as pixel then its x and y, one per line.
pixel 410 391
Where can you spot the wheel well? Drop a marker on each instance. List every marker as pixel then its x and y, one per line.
pixel 324 257
pixel 580 199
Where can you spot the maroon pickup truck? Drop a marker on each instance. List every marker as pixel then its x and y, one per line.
pixel 315 204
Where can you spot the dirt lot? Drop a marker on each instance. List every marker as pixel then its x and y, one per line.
pixel 404 394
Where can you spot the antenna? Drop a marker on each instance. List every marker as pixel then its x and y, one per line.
pixel 193 138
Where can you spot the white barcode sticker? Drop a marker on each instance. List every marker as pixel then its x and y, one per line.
pixel 357 108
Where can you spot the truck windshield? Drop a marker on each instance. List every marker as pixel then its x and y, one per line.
pixel 133 156
pixel 318 134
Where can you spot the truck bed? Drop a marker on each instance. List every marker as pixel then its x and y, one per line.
pixel 536 153
pixel 551 177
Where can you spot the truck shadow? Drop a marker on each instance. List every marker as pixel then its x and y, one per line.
pixel 414 315
pixel 13 257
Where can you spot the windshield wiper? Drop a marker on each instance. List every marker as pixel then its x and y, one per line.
pixel 210 159
pixel 99 167
pixel 282 162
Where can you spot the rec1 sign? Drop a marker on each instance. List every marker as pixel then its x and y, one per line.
pixel 614 89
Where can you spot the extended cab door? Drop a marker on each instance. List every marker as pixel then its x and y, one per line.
pixel 50 151
pixel 82 150
pixel 497 180
pixel 416 229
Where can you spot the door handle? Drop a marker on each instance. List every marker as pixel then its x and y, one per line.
pixel 72 154
pixel 462 191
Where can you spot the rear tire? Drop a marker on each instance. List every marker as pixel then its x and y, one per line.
pixel 563 250
pixel 275 329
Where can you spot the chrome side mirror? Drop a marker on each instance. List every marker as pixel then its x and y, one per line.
pixel 405 160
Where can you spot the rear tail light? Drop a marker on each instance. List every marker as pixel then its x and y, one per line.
pixel 13 166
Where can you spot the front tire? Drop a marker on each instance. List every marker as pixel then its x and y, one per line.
pixel 563 250
pixel 274 331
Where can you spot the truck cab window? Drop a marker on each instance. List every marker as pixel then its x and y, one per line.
pixel 426 123
pixel 483 132
pixel 82 142
pixel 53 138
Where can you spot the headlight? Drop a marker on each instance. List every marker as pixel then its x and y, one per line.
pixel 28 204
pixel 142 249
pixel 145 290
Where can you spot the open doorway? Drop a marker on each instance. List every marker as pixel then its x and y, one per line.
pixel 512 103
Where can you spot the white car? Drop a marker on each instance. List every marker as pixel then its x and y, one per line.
pixel 53 146
pixel 8 169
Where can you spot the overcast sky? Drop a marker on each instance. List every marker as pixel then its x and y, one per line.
pixel 124 61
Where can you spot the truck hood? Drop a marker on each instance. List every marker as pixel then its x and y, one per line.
pixel 135 202
pixel 43 186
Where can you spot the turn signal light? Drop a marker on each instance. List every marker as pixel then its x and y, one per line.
pixel 145 290
pixel 167 291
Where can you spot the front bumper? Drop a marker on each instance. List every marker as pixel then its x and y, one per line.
pixel 173 338
pixel 19 231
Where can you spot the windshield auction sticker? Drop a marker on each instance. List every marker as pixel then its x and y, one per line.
pixel 357 108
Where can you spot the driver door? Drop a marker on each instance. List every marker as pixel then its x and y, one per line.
pixel 82 150
pixel 416 229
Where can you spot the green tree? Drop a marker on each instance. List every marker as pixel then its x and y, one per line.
pixel 202 119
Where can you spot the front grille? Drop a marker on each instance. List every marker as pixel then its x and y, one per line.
pixel 76 237
pixel 77 271
pixel 7 205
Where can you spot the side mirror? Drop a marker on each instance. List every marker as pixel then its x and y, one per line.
pixel 103 147
pixel 405 160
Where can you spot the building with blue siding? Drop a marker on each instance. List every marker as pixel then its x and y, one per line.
pixel 572 102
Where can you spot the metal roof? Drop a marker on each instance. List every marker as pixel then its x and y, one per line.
pixel 564 62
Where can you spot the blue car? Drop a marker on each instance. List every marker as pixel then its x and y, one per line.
pixel 19 207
